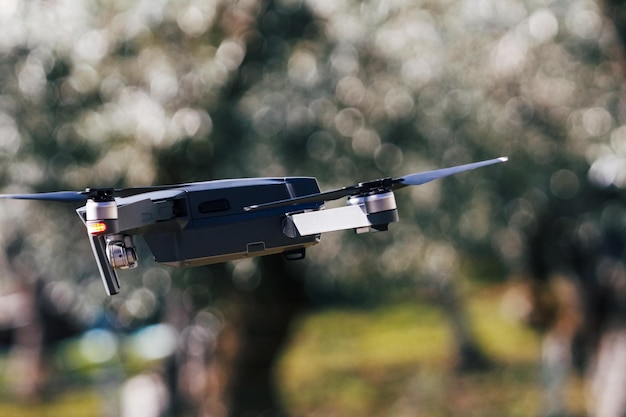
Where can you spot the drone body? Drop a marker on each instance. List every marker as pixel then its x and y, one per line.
pixel 198 224
pixel 217 221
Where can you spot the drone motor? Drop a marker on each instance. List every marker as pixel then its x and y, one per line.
pixel 101 210
pixel 380 209
pixel 374 203
pixel 101 215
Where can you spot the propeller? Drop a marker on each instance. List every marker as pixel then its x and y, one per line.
pixel 97 194
pixel 60 196
pixel 378 186
pixel 424 177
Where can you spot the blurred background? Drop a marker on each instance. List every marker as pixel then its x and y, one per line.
pixel 500 292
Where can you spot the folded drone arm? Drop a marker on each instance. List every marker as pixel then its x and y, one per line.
pixel 330 220
pixel 368 213
pixel 134 213
pixel 108 274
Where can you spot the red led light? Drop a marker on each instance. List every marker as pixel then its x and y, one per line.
pixel 97 228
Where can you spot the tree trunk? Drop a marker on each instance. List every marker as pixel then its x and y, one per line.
pixel 257 327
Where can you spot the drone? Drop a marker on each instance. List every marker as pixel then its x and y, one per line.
pixel 201 223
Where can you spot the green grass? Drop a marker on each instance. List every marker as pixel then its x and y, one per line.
pixel 76 403
pixel 398 360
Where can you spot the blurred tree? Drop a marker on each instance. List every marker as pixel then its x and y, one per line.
pixel 167 91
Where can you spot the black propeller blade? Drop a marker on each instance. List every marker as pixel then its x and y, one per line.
pixel 60 196
pixel 378 186
pixel 424 177
pixel 311 198
pixel 83 196
pixel 129 192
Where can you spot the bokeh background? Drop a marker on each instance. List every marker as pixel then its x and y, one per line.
pixel 500 292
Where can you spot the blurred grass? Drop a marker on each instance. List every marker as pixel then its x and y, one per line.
pixel 398 360
pixel 75 403
pixel 393 360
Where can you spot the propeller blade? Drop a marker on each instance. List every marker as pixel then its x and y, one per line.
pixel 424 177
pixel 59 196
pixel 82 196
pixel 311 198
pixel 377 185
pixel 129 192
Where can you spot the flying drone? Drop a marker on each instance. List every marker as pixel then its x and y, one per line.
pixel 209 222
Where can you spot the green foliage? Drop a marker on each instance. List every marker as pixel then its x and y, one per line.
pixel 396 360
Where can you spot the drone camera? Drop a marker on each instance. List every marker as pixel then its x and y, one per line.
pixel 120 250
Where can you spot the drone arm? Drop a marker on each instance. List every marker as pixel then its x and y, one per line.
pixel 330 220
pixel 145 212
pixel 368 213
pixel 108 274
